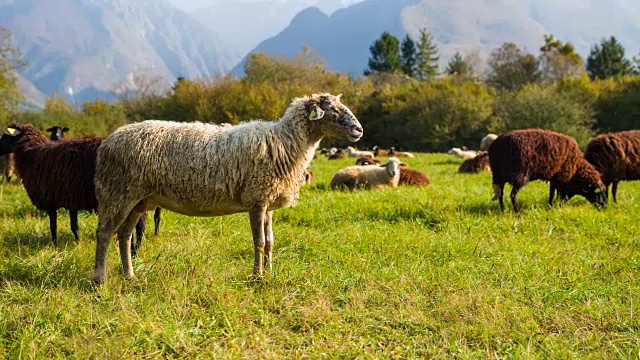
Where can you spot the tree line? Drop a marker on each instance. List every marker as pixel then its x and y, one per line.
pixel 404 100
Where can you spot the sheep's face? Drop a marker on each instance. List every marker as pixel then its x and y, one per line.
pixel 393 166
pixel 8 139
pixel 57 132
pixel 329 117
pixel 594 193
pixel 453 151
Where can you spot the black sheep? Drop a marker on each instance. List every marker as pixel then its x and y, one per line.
pixel 57 132
pixel 520 156
pixel 55 174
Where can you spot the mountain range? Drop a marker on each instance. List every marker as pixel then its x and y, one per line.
pixel 86 47
pixel 343 38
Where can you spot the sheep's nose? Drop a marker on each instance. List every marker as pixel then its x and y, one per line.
pixel 357 129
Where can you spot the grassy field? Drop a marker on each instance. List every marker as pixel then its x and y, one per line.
pixel 434 272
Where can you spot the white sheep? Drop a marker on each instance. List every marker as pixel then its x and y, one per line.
pixel 371 176
pixel 356 153
pixel 486 141
pixel 462 154
pixel 201 169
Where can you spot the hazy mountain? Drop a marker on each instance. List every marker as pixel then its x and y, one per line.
pixel 344 37
pixel 245 23
pixel 90 45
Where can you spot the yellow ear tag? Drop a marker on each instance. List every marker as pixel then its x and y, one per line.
pixel 312 115
pixel 11 131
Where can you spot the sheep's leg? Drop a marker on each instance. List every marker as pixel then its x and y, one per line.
pixel 124 242
pixel 53 225
pixel 498 194
pixel 514 193
pixel 107 225
pixel 268 240
pixel 552 192
pixel 73 218
pixel 257 216
pixel 156 221
pixel 614 190
pixel 141 227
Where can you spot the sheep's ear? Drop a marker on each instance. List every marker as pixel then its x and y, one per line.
pixel 12 131
pixel 50 129
pixel 315 112
pixel 65 129
pixel 403 164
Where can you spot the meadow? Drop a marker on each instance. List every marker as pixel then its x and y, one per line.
pixel 435 272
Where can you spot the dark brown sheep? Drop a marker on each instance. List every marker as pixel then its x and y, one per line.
pixel 616 156
pixel 520 156
pixel 55 174
pixel 366 160
pixel 413 177
pixel 480 163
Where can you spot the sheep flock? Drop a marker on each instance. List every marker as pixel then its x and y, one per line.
pixel 256 167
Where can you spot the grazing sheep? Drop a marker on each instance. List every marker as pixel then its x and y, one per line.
pixel 413 177
pixel 55 174
pixel 366 160
pixel 378 152
pixel 372 176
pixel 6 167
pixel 478 164
pixel 520 156
pixel 355 153
pixel 396 153
pixel 616 156
pixel 462 154
pixel 486 141
pixel 338 154
pixel 57 132
pixel 201 169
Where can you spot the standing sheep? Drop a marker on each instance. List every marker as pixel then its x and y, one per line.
pixel 520 156
pixel 201 169
pixel 616 156
pixel 355 153
pixel 55 174
pixel 487 141
pixel 480 163
pixel 371 176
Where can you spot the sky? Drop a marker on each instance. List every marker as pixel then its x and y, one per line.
pixel 192 5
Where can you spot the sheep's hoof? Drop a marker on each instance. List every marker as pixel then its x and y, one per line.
pixel 97 280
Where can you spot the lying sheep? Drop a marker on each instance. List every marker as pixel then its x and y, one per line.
pixel 355 153
pixel 201 169
pixel 480 163
pixel 379 152
pixel 520 156
pixel 372 176
pixel 57 132
pixel 413 177
pixel 366 160
pixel 396 153
pixel 487 141
pixel 338 154
pixel 616 156
pixel 55 174
pixel 462 154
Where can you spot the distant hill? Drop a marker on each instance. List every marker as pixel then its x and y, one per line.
pixel 90 45
pixel 344 37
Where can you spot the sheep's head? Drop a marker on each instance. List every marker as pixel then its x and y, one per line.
pixel 57 132
pixel 454 151
pixel 9 138
pixel 393 166
pixel 587 183
pixel 329 117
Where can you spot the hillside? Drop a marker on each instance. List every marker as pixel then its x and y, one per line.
pixel 344 37
pixel 90 45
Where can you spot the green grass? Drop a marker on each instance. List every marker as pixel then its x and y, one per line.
pixel 434 272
